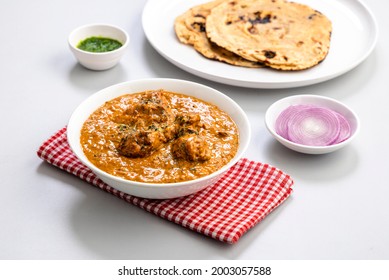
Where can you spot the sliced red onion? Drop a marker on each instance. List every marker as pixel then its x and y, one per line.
pixel 282 122
pixel 345 129
pixel 312 125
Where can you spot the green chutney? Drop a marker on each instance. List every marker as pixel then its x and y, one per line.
pixel 99 44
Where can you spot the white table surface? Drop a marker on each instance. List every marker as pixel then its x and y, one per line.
pixel 339 208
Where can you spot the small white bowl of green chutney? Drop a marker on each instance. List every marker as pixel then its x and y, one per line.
pixel 98 46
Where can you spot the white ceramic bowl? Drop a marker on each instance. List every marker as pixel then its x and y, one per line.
pixel 276 108
pixel 93 60
pixel 150 190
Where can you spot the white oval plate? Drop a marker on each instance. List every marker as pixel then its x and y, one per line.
pixel 353 38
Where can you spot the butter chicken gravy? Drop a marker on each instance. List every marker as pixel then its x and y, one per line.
pixel 159 136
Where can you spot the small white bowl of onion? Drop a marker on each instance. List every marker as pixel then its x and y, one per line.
pixel 311 124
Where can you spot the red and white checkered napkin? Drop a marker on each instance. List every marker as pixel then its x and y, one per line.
pixel 224 211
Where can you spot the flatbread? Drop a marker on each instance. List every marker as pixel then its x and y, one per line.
pixel 283 35
pixel 191 30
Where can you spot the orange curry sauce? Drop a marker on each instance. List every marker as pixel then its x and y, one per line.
pixel 159 136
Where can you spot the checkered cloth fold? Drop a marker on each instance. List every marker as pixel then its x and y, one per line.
pixel 244 196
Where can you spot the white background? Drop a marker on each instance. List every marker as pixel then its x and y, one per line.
pixel 339 208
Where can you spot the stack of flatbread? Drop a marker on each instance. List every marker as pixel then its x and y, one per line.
pixel 256 33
